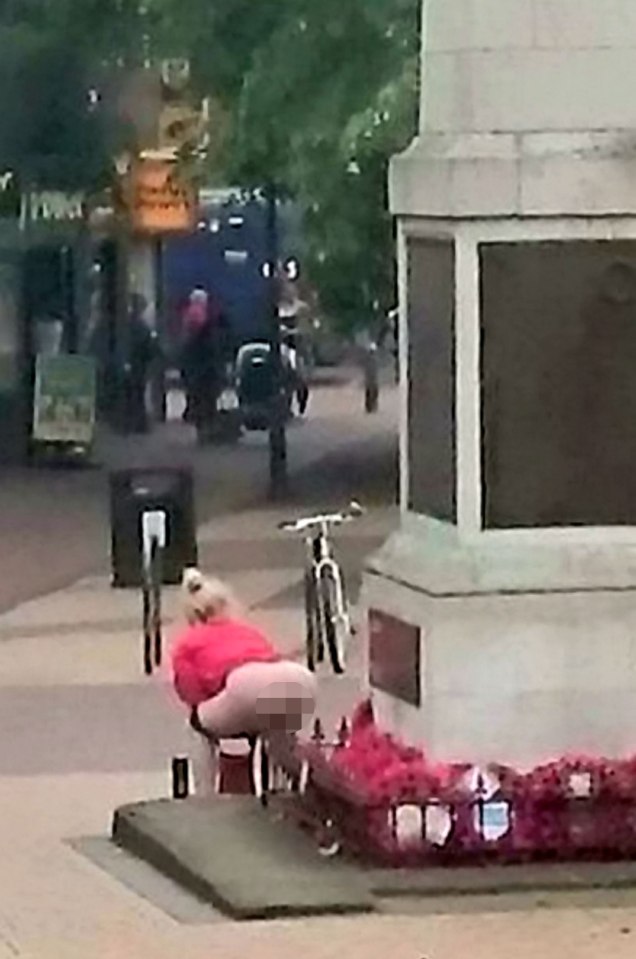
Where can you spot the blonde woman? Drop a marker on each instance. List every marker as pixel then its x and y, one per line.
pixel 230 675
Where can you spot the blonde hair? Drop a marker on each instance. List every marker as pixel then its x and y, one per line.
pixel 206 597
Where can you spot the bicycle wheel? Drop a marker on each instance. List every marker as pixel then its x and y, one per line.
pixel 314 645
pixel 333 625
pixel 266 773
pixel 155 576
pixel 147 626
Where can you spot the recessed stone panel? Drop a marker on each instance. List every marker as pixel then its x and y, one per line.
pixel 431 332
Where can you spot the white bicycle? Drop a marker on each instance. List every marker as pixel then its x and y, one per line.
pixel 327 620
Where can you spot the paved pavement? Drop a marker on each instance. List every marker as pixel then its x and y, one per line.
pixel 54 523
pixel 84 732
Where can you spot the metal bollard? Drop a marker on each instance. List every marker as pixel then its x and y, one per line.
pixel 371 379
pixel 318 736
pixel 343 732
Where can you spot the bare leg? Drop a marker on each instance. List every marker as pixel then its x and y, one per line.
pixel 225 716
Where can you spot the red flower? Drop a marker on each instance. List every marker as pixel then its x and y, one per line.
pixel 573 804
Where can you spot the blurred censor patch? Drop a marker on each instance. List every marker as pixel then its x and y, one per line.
pixel 284 706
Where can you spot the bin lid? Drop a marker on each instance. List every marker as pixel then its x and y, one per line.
pixel 154 485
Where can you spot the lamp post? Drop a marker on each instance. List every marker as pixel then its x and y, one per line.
pixel 277 435
pixel 121 343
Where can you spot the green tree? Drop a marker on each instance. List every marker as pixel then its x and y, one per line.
pixel 321 96
pixel 52 54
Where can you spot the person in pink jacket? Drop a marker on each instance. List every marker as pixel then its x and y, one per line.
pixel 229 674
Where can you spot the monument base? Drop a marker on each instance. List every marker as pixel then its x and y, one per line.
pixel 526 649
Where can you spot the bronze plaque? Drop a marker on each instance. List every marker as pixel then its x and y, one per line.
pixel 394 657
pixel 559 383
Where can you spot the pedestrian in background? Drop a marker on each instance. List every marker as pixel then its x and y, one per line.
pixel 143 349
pixel 204 350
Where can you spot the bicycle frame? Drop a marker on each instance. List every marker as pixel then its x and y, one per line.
pixel 327 615
pixel 320 559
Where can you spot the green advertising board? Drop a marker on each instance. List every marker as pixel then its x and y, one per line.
pixel 64 401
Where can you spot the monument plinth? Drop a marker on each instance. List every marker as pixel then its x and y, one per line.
pixel 503 611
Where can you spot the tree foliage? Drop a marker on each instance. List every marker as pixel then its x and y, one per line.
pixel 51 52
pixel 321 96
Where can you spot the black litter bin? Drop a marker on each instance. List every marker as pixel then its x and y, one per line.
pixel 136 491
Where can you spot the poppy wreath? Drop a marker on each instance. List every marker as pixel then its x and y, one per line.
pixel 572 807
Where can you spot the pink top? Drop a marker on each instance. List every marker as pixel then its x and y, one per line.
pixel 206 654
pixel 195 317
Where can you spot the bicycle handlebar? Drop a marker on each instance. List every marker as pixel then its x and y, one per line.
pixel 303 523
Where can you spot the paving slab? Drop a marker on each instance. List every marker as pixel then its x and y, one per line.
pixel 490 880
pixel 242 859
pixel 145 881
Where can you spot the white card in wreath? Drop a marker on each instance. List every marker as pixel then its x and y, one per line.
pixel 438 824
pixel 408 824
pixel 581 785
pixel 492 820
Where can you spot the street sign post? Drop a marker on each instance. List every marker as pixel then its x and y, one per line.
pixel 277 435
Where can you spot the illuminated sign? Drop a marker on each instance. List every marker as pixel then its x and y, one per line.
pixel 159 198
pixel 52 205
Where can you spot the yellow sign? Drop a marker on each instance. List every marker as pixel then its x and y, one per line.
pixel 159 199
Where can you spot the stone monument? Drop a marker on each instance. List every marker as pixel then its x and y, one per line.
pixel 503 611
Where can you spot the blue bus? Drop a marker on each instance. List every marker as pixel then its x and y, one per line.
pixel 228 256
